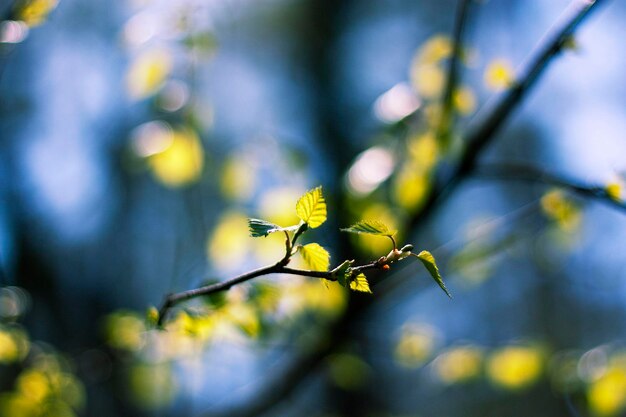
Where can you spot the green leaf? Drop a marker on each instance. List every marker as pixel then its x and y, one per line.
pixel 316 257
pixel 360 284
pixel 311 208
pixel 429 262
pixel 370 227
pixel 259 228
pixel 342 272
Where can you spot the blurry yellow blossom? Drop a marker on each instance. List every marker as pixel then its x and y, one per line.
pixel 152 385
pixel 278 205
pixel 238 178
pixel 464 100
pixel 458 364
pixel 415 345
pixel 410 187
pixel 9 350
pixel 614 190
pixel 244 316
pixel 499 75
pixel 424 150
pixel 515 367
pixel 229 241
pixel 181 162
pixel 148 72
pixel 428 80
pixel 348 372
pixel 34 12
pixel 607 395
pixel 34 385
pixel 558 207
pixel 124 330
pixel 435 49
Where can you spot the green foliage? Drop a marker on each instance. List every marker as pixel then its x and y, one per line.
pixel 262 228
pixel 316 257
pixel 359 283
pixel 342 272
pixel 429 262
pixel 311 208
pixel 370 227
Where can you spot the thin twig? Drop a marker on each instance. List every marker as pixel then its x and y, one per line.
pixel 529 173
pixel 279 268
pixel 446 123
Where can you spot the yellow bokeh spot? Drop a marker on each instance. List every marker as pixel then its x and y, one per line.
pixel 17 405
pixel 34 12
pixel 244 316
pixel 181 162
pixel 348 372
pixel 124 331
pixel 278 205
pixel 311 294
pixel 614 190
pixel 152 386
pixel 464 100
pixel 515 367
pixel 148 73
pixel 230 241
pixel 410 188
pixel 415 345
pixel 607 395
pixel 499 75
pixel 558 207
pixel 459 364
pixel 238 178
pixel 435 49
pixel 428 80
pixel 424 150
pixel 33 385
pixel 9 350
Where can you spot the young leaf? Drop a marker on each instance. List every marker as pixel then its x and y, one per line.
pixel 370 227
pixel 260 227
pixel 342 272
pixel 316 257
pixel 360 284
pixel 429 262
pixel 311 208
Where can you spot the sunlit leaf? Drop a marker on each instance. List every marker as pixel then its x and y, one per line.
pixel 259 228
pixel 429 262
pixel 370 227
pixel 316 257
pixel 311 208
pixel 359 283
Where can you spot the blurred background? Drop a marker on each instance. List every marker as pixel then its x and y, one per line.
pixel 136 138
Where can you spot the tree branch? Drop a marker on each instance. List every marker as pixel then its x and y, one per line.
pixel 484 131
pixel 533 174
pixel 279 268
pixel 446 123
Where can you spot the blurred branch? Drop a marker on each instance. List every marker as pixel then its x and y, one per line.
pixel 279 268
pixel 484 131
pixel 446 123
pixel 529 173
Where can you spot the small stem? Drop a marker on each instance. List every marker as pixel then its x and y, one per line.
pixel 303 228
pixel 395 246
pixel 279 268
